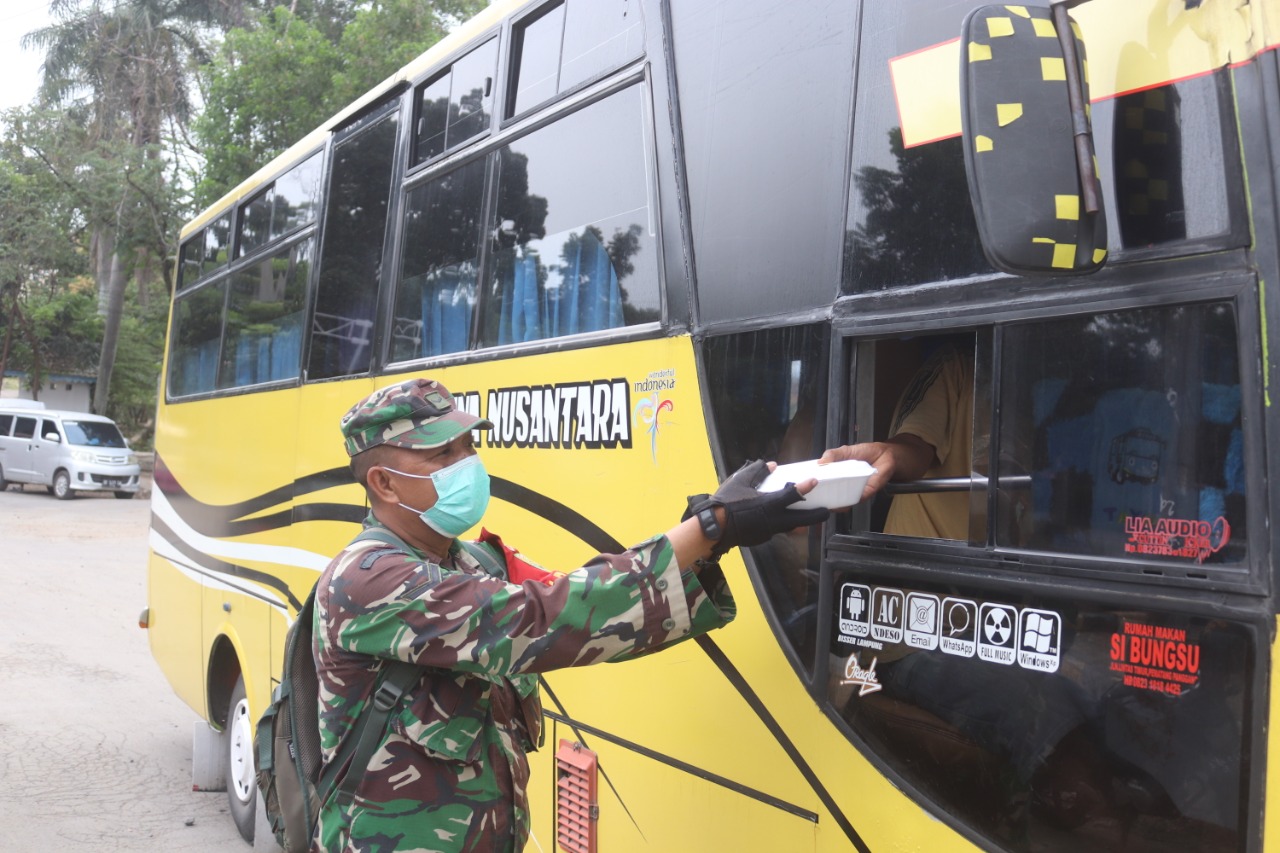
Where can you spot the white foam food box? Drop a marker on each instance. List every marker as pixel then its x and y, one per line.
pixel 840 484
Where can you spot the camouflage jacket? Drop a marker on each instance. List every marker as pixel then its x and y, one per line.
pixel 452 773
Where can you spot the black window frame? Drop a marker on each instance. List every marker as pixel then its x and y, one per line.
pixel 199 237
pixel 515 43
pixel 1198 279
pixel 412 134
pixel 489 149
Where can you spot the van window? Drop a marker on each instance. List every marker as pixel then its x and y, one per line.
pixel 24 428
pixel 49 429
pixel 93 434
pixel 6 422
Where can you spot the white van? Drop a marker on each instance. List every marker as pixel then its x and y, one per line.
pixel 67 452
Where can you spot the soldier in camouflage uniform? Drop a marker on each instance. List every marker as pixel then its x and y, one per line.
pixel 451 773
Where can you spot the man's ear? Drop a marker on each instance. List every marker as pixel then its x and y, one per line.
pixel 380 485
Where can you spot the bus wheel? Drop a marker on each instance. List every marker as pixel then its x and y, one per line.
pixel 62 486
pixel 242 785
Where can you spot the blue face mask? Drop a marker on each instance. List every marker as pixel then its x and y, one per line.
pixel 462 496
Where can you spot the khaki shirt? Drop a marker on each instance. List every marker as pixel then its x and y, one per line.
pixel 938 408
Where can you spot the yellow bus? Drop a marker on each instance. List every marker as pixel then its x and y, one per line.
pixel 651 239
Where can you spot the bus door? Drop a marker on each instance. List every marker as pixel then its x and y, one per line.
pixel 1027 635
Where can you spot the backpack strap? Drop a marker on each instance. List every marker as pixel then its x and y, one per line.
pixel 394 681
pixel 483 554
pixel 349 763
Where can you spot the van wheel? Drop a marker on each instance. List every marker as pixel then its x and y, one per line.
pixel 242 783
pixel 125 496
pixel 62 486
pixel 4 484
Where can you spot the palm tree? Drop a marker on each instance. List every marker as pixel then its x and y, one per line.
pixel 120 69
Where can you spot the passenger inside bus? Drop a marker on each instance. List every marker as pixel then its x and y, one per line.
pixel 931 437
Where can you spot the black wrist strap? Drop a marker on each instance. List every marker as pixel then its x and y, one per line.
pixel 711 527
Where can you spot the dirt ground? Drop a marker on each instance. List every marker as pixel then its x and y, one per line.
pixel 96 749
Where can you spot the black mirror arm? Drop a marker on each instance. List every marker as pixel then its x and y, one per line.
pixel 1091 196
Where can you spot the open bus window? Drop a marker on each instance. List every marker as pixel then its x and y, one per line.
pixel 197 337
pixel 436 294
pixel 1129 425
pixel 455 106
pixel 567 43
pixel 574 248
pixel 263 340
pixel 921 389
pixel 768 401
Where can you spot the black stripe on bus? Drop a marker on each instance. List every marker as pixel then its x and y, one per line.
pixel 721 660
pixel 768 799
pixel 229 519
pixel 554 512
pixel 200 561
pixel 557 513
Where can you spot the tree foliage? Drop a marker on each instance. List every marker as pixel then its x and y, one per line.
pixel 271 85
pixel 149 109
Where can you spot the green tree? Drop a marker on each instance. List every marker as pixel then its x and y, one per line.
pixel 272 84
pixel 266 88
pixel 121 68
pixel 40 250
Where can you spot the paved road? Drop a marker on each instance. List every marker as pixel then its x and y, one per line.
pixel 95 749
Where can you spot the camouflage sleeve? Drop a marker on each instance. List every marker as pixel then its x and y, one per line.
pixel 614 607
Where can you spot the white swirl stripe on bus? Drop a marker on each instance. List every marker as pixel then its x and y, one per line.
pixel 280 555
pixel 162 547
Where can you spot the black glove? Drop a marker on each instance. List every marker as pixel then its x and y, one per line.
pixel 752 517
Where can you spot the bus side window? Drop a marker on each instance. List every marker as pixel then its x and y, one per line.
pixel 436 293
pixel 1129 424
pixel 571 239
pixel 263 337
pixel 554 50
pixel 768 396
pixel 455 106
pixel 196 340
pixel 351 257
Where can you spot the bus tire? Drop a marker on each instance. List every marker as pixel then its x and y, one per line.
pixel 62 485
pixel 242 784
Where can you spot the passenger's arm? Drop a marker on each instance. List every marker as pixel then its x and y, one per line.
pixel 903 457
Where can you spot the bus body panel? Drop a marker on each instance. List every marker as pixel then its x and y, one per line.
pixel 749 738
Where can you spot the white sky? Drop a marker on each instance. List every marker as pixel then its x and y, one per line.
pixel 19 69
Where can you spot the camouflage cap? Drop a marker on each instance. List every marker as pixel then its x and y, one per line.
pixel 416 413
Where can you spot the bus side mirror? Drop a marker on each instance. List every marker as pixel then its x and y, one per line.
pixel 1028 145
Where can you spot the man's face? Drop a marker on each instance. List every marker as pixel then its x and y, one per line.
pixel 418 491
